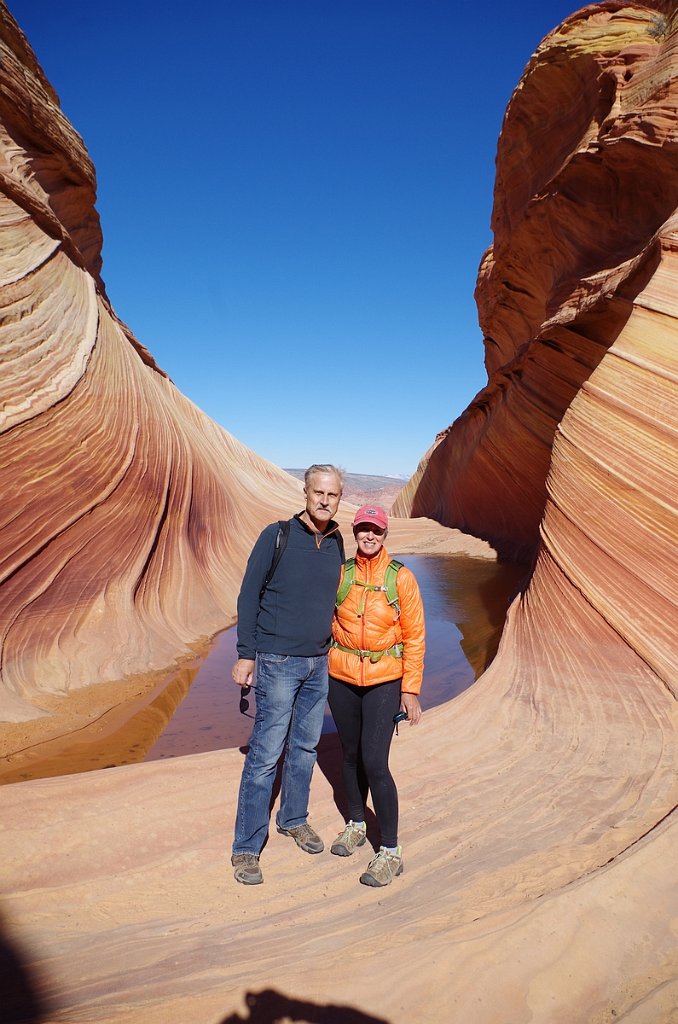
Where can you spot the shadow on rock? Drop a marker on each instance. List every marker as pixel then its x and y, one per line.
pixel 330 764
pixel 21 1001
pixel 271 1007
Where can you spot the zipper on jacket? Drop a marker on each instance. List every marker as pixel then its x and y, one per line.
pixel 368 575
pixel 320 537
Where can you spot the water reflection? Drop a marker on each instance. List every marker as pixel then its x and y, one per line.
pixel 196 708
pixel 473 594
pixel 465 601
pixel 122 735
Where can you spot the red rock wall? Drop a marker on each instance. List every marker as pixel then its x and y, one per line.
pixel 570 450
pixel 127 514
pixel 538 808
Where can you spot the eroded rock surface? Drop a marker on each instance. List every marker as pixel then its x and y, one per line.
pixel 569 456
pixel 127 514
pixel 538 809
pixel 579 284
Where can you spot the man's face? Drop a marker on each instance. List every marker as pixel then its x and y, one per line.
pixel 322 497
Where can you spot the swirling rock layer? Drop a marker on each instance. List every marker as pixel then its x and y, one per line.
pixel 570 450
pixel 569 457
pixel 127 513
pixel 537 809
pixel 585 198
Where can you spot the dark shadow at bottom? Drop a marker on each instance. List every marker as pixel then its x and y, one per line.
pixel 20 998
pixel 271 1007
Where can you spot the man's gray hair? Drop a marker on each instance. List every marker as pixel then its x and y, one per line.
pixel 324 468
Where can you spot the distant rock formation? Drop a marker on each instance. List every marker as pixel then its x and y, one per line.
pixel 127 513
pixel 360 488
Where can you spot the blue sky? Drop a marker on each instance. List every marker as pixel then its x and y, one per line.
pixel 295 196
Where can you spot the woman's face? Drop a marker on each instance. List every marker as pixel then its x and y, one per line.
pixel 369 538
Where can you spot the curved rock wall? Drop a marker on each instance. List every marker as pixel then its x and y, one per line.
pixel 538 809
pixel 127 514
pixel 577 286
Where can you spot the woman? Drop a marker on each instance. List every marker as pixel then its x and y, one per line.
pixel 376 664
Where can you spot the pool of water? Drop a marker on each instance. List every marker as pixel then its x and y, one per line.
pixel 195 708
pixel 465 603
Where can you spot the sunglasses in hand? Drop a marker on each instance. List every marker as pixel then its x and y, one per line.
pixel 244 703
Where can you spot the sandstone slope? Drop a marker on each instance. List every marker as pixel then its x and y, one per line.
pixel 569 455
pixel 538 809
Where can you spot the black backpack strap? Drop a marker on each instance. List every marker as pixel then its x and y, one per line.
pixel 280 545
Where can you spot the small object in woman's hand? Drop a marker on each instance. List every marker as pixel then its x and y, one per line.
pixel 401 716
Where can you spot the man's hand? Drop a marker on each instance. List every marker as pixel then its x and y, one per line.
pixel 409 702
pixel 243 670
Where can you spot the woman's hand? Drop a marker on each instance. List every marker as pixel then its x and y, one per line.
pixel 409 702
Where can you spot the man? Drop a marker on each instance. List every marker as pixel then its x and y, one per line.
pixel 285 622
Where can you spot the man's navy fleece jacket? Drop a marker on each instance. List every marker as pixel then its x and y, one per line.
pixel 294 614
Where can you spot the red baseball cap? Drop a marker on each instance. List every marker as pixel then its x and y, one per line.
pixel 371 514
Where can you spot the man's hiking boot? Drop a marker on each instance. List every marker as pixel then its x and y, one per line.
pixel 305 837
pixel 383 868
pixel 348 841
pixel 247 868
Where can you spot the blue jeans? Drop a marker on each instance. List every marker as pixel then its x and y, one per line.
pixel 290 696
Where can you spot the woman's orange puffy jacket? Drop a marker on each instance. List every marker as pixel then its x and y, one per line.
pixel 379 628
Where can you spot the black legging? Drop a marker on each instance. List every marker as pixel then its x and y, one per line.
pixel 364 720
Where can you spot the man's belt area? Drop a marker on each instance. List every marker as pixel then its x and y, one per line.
pixel 395 652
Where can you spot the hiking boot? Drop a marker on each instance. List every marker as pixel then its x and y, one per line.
pixel 348 841
pixel 383 868
pixel 305 837
pixel 247 868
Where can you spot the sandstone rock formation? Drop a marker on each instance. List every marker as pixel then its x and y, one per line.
pixel 579 283
pixel 127 513
pixel 538 808
pixel 569 456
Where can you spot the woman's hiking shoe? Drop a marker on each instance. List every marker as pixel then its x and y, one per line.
pixel 348 841
pixel 247 868
pixel 305 837
pixel 383 868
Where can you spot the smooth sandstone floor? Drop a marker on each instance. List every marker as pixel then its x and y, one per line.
pixel 117 888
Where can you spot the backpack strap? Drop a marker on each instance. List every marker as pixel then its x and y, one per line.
pixel 393 652
pixel 347 582
pixel 390 586
pixel 280 545
pixel 391 583
pixel 340 545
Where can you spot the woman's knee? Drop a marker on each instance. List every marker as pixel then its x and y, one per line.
pixel 376 767
pixel 351 757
